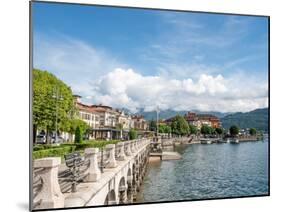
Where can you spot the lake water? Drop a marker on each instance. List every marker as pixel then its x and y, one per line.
pixel 209 171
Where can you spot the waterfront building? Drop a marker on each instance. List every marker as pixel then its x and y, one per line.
pixel 102 119
pixel 202 119
pixel 124 120
pixel 139 123
pixel 87 114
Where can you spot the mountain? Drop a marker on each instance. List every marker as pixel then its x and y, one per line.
pixel 254 119
pixel 165 114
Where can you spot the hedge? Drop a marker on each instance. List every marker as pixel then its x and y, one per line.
pixel 45 146
pixel 42 151
pixel 53 152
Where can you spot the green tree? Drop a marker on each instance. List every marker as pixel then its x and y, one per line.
pixel 180 126
pixel 253 131
pixel 51 96
pixel 206 130
pixel 167 129
pixel 234 130
pixel 161 129
pixel 219 131
pixel 193 129
pixel 74 123
pixel 164 128
pixel 152 125
pixel 78 135
pixel 132 134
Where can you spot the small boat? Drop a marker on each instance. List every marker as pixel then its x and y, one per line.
pixel 205 141
pixel 235 141
pixel 221 141
pixel 227 140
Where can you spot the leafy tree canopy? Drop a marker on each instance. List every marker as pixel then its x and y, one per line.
pixel 253 131
pixel 193 129
pixel 234 130
pixel 51 94
pixel 164 128
pixel 206 130
pixel 180 126
pixel 219 131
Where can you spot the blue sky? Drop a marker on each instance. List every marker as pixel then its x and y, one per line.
pixel 139 58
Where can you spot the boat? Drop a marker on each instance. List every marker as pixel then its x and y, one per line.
pixel 221 141
pixel 206 141
pixel 235 141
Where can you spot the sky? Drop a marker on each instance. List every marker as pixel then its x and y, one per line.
pixel 137 58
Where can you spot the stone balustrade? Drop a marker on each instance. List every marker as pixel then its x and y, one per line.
pixel 111 160
pixel 128 148
pixel 50 195
pixel 133 148
pixel 94 170
pixel 121 147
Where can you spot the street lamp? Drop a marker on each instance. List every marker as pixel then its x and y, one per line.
pixel 57 96
pixel 157 119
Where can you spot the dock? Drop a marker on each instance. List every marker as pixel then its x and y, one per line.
pixel 156 156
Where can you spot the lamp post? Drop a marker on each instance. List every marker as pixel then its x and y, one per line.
pixel 157 119
pixel 57 97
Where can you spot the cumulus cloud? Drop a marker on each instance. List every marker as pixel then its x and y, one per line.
pixel 92 73
pixel 127 88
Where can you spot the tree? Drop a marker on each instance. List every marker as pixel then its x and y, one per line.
pixel 152 125
pixel 253 131
pixel 234 130
pixel 164 128
pixel 74 123
pixel 167 129
pixel 219 131
pixel 161 129
pixel 193 129
pixel 47 104
pixel 78 135
pixel 206 130
pixel 132 134
pixel 180 126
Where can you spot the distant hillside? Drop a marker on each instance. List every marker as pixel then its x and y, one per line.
pixel 257 119
pixel 165 114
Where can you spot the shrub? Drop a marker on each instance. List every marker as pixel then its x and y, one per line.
pixel 132 134
pixel 78 134
pixel 38 147
pixel 43 151
pixel 93 144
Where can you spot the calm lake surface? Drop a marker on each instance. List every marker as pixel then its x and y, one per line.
pixel 209 171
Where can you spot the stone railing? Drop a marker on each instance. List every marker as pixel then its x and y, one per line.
pixel 49 184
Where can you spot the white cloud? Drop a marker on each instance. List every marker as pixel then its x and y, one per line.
pixel 92 73
pixel 127 88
